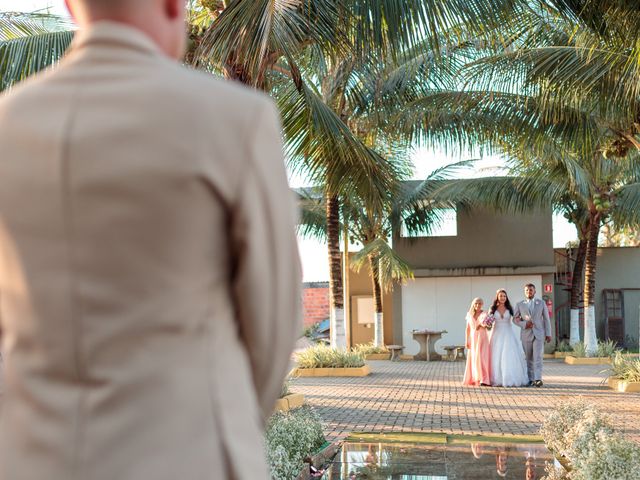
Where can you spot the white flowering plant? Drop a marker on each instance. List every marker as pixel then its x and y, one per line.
pixel 290 437
pixel 609 457
pixel 555 427
pixel 555 473
pixel 586 438
pixel 582 437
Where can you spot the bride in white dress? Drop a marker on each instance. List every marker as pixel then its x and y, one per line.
pixel 508 363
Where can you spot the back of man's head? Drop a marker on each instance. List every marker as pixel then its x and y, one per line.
pixel 161 20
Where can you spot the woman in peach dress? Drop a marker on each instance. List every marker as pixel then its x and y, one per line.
pixel 478 371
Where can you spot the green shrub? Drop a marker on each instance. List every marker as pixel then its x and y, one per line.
pixel 624 368
pixel 564 347
pixel 607 349
pixel 322 356
pixel 369 348
pixel 290 437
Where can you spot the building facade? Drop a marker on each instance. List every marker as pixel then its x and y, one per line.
pixel 486 252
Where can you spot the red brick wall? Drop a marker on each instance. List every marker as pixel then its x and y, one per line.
pixel 315 302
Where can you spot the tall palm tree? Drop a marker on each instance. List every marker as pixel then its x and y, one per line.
pixel 556 85
pixel 412 207
pixel 576 214
pixel 252 40
pixel 572 154
pixel 256 41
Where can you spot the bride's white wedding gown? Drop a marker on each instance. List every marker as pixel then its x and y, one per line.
pixel 508 362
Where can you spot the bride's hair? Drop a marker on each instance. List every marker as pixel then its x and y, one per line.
pixel 507 303
pixel 473 302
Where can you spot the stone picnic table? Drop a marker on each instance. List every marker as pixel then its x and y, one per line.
pixel 427 340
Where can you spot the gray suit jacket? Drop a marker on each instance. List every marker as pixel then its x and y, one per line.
pixel 148 268
pixel 539 317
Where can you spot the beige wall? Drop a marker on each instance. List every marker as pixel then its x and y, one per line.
pixel 484 240
pixel 360 284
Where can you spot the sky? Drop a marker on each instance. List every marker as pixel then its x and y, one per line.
pixel 56 6
pixel 313 253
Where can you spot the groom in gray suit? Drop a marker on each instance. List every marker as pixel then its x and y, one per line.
pixel 532 317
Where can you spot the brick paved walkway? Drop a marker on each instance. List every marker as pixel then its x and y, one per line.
pixel 428 397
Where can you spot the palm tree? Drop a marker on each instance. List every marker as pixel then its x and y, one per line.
pixel 262 43
pixel 30 42
pixel 576 214
pixel 413 207
pixel 556 85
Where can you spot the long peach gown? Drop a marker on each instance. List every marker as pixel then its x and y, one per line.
pixel 478 368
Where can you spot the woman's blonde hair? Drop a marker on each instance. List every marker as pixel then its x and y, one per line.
pixel 477 299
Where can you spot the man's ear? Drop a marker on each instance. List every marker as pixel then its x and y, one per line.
pixel 173 8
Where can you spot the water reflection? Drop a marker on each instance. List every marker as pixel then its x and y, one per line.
pixel 454 461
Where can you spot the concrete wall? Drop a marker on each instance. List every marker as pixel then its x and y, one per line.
pixel 484 239
pixel 619 268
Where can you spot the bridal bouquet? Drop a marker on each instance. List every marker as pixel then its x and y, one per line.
pixel 488 321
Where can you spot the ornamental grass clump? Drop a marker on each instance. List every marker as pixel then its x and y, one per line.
pixel 607 349
pixel 564 347
pixel 579 350
pixel 322 356
pixel 290 437
pixel 369 349
pixel 626 369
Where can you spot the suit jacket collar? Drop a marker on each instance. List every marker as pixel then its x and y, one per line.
pixel 111 34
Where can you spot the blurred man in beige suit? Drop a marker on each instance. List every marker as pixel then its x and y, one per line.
pixel 149 272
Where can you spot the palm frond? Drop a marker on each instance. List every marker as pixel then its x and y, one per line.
pixel 318 142
pixel 313 217
pixel 30 43
pixel 392 268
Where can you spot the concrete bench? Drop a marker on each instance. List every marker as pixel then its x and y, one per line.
pixel 454 352
pixel 396 351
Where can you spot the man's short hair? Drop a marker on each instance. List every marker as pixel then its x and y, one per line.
pixel 530 285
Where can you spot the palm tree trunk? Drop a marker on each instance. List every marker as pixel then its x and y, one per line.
pixel 576 285
pixel 336 325
pixel 378 335
pixel 590 337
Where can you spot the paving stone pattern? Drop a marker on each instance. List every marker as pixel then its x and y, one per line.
pixel 429 397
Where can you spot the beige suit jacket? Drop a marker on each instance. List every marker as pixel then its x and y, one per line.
pixel 149 272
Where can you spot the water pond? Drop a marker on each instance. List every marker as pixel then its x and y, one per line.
pixel 445 460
